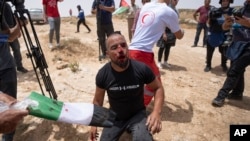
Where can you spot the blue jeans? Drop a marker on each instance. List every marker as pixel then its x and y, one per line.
pixel 199 27
pixel 8 85
pixel 54 24
pixel 235 75
pixel 135 125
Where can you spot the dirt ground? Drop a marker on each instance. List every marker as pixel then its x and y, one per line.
pixel 187 112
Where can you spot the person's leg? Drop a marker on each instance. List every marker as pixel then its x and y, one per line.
pixel 138 129
pixel 234 73
pixel 197 34
pixel 113 133
pixel 237 92
pixel 57 29
pixel 160 53
pixel 166 53
pixel 84 23
pixel 8 85
pixel 222 51
pixel 78 26
pixel 17 55
pixel 101 38
pixel 205 35
pixel 52 29
pixel 106 31
pixel 209 56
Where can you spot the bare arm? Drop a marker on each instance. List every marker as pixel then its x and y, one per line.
pixel 106 8
pixel 195 15
pixel 45 18
pixel 98 100
pixel 154 119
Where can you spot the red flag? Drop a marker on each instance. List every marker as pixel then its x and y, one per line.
pixel 124 3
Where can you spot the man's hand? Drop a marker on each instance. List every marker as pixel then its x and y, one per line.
pixel 10 118
pixel 243 21
pixel 93 134
pixel 227 23
pixel 154 123
pixel 7 99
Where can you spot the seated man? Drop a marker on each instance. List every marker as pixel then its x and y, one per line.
pixel 124 81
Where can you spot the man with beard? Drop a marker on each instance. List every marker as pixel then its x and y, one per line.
pixel 124 81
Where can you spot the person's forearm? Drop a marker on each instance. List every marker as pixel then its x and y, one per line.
pixel 109 9
pixel 159 100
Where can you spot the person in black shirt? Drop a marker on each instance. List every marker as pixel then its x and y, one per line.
pixel 124 81
pixel 103 11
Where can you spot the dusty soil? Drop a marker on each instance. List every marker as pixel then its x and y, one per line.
pixel 187 113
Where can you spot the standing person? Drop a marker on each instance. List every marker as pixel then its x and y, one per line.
pixel 8 77
pixel 130 17
pixel 70 12
pixel 216 35
pixel 81 18
pixel 202 22
pixel 154 18
pixel 105 27
pixel 9 119
pixel 233 86
pixel 167 40
pixel 126 96
pixel 52 15
pixel 137 16
pixel 15 46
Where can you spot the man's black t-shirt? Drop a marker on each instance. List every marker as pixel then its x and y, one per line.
pixel 125 89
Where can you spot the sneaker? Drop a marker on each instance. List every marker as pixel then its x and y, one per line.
pixel 218 101
pixel 194 45
pixel 207 69
pixel 50 45
pixel 167 65
pixel 58 45
pixel 22 69
pixel 233 96
pixel 159 65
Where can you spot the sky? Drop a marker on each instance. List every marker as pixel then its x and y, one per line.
pixel 86 5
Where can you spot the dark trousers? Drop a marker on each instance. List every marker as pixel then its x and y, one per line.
pixel 8 85
pixel 199 27
pixel 102 32
pixel 235 75
pixel 135 125
pixel 210 52
pixel 15 46
pixel 84 23
pixel 166 51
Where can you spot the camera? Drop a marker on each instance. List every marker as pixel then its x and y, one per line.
pixel 19 4
pixel 237 12
pixel 215 13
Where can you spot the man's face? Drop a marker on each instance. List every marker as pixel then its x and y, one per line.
pixel 117 50
pixel 225 3
pixel 207 2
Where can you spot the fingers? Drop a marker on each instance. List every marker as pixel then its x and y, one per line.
pixel 93 134
pixel 154 126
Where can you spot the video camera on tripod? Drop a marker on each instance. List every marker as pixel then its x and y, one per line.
pixel 34 49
